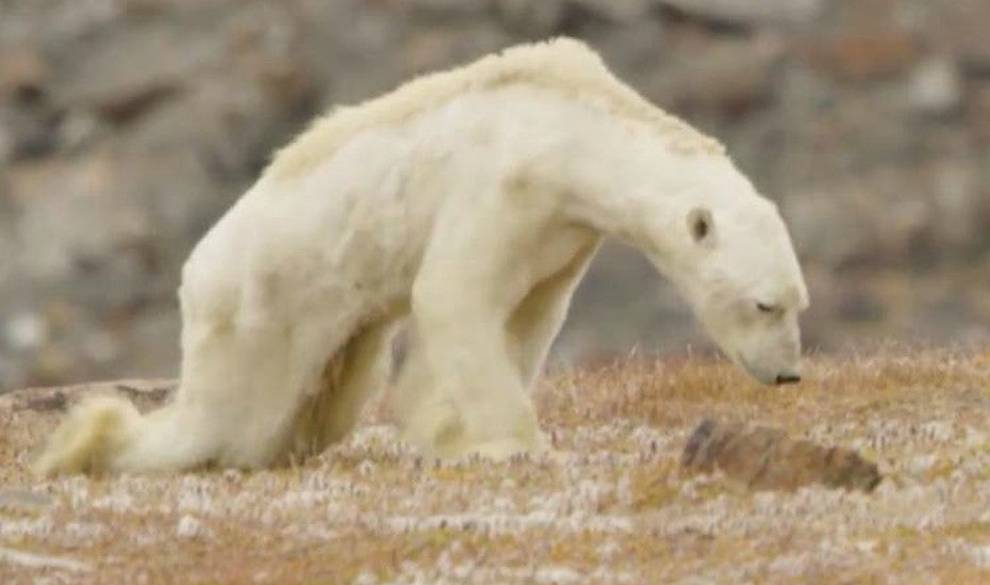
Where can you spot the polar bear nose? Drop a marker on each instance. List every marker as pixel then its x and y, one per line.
pixel 788 378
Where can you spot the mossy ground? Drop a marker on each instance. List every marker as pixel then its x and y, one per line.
pixel 612 507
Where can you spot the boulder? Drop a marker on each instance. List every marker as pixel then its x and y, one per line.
pixel 767 459
pixel 750 13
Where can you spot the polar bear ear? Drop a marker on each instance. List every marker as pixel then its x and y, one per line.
pixel 701 225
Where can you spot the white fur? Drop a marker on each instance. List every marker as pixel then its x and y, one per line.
pixel 470 202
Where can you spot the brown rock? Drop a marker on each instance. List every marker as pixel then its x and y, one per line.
pixel 27 122
pixel 728 76
pixel 962 28
pixel 147 395
pixel 766 459
pixel 859 57
pixel 46 402
pixel 23 74
pixel 125 103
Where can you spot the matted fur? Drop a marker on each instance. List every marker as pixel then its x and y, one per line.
pixel 562 65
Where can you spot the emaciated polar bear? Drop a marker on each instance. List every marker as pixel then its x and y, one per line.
pixel 470 201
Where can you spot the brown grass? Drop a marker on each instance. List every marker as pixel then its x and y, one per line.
pixel 612 507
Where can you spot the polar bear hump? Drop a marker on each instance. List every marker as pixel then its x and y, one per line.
pixel 563 65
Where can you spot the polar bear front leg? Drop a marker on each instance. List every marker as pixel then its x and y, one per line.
pixel 537 320
pixel 459 392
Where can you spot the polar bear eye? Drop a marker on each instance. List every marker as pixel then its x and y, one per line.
pixel 700 224
pixel 765 308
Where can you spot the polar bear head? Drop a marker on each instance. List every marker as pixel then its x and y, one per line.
pixel 736 265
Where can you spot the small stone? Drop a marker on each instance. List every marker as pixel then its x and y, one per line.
pixel 365 578
pixel 766 459
pixel 24 500
pixel 935 86
pixel 26 331
pixel 77 129
pixel 190 527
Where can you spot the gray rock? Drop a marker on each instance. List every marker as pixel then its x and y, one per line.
pixel 25 331
pixel 22 500
pixel 6 143
pixel 727 76
pixel 27 119
pixel 127 71
pixel 961 26
pixel 978 114
pixel 747 12
pixel 935 86
pixel 617 11
pixel 537 19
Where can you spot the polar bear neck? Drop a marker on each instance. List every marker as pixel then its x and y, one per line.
pixel 562 65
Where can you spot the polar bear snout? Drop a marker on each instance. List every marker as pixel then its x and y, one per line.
pixel 788 378
pixel 768 351
pixel 769 374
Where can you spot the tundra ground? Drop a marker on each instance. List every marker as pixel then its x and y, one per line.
pixel 612 506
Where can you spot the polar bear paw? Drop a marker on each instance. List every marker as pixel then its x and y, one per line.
pixel 499 450
pixel 503 449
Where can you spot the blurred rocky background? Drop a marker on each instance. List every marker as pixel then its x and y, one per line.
pixel 128 126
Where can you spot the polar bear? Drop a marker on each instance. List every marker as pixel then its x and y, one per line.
pixel 468 203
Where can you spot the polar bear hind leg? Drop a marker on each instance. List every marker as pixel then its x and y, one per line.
pixel 232 408
pixel 350 378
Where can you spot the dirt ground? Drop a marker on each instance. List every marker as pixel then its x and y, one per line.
pixel 612 506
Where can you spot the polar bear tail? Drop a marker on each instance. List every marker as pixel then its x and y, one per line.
pixel 91 438
pixel 109 434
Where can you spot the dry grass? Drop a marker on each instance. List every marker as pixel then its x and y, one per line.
pixel 614 507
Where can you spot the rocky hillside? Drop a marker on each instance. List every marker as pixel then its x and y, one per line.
pixel 128 126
